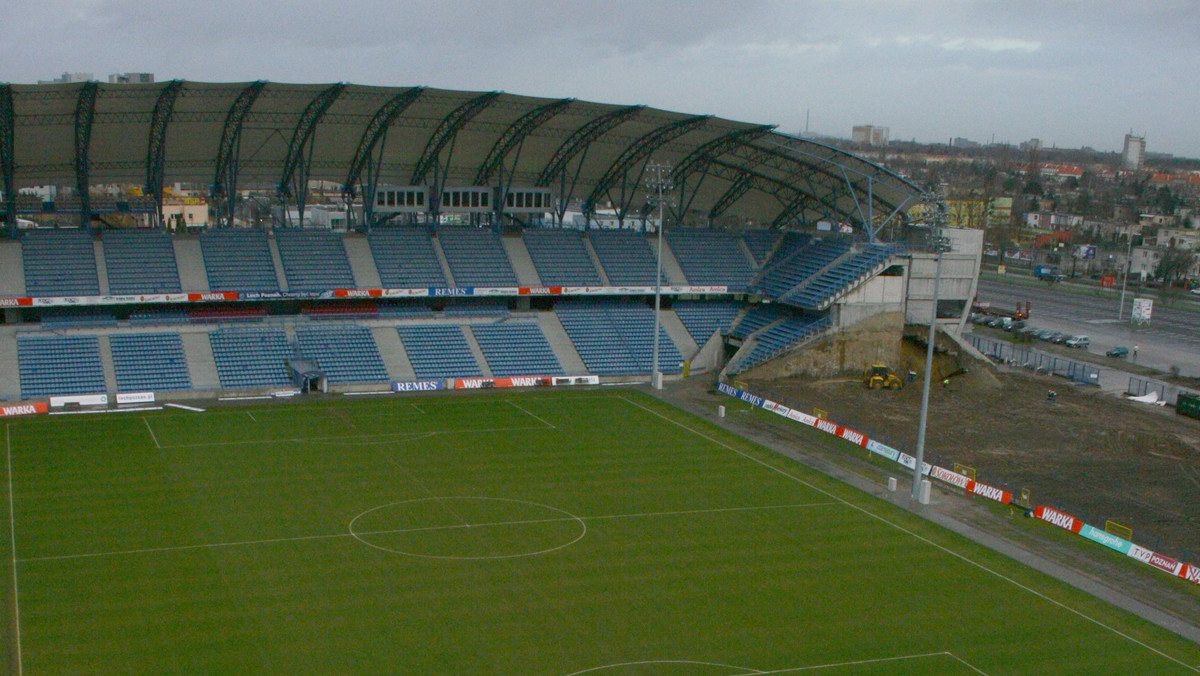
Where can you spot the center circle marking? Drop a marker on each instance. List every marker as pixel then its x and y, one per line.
pixel 561 516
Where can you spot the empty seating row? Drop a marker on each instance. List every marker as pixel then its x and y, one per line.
pixel 704 318
pixel 238 260
pixel 350 310
pixel 477 308
pixel 439 351
pixel 59 365
pixel 476 257
pixel 251 357
pixel 625 255
pixel 516 349
pixel 59 263
pixel 789 270
pixel 344 353
pixel 77 318
pixel 617 338
pixel 149 361
pixel 405 258
pixel 760 244
pixel 313 260
pixel 757 317
pixel 711 257
pixel 140 261
pixel 560 257
pixel 823 288
pixel 779 338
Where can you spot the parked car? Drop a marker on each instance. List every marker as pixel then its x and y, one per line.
pixel 1120 352
pixel 1059 337
pixel 1044 334
pixel 1078 341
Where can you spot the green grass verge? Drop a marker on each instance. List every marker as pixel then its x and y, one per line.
pixel 539 533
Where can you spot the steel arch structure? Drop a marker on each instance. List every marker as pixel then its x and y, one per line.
pixel 260 136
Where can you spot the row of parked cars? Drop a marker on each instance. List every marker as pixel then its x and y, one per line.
pixel 1020 328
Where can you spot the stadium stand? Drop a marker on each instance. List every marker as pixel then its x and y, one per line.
pixel 405 257
pixel 352 310
pixel 760 244
pixel 516 349
pixel 617 338
pixel 149 362
pixel 704 318
pixel 779 338
pixel 159 316
pixel 710 257
pixel 344 353
pixel 757 317
pixel 220 314
pixel 59 365
pixel 405 309
pixel 788 269
pixel 625 256
pixel 439 351
pixel 560 257
pixel 238 260
pixel 140 261
pixel 476 257
pixel 313 260
pixel 59 263
pixel 817 292
pixel 251 357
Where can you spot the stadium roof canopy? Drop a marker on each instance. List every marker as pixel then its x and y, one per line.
pixel 266 134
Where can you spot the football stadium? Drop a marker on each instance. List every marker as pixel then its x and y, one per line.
pixel 246 326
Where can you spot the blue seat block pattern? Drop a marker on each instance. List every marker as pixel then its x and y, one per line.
pixel 251 357
pixel 149 362
pixel 59 365
pixel 439 351
pixel 140 261
pixel 314 260
pixel 344 353
pixel 59 263
pixel 238 260
pixel 516 349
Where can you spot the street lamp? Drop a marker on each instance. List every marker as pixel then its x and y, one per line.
pixel 658 179
pixel 939 244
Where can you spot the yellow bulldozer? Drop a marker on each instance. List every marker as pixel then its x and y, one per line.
pixel 880 376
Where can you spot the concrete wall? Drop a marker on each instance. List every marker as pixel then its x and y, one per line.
pixel 845 352
pixel 959 279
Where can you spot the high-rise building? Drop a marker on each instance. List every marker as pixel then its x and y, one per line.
pixel 870 135
pixel 131 78
pixel 1134 154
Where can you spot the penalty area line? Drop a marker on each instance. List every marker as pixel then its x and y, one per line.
pixel 151 431
pixel 962 557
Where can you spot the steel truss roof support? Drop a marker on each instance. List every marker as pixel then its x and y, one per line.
pixel 736 191
pixel 698 160
pixel 514 136
pixel 636 152
pixel 157 145
pixel 224 187
pixel 7 159
pixel 85 112
pixel 445 133
pixel 789 196
pixel 293 180
pixel 579 141
pixel 376 130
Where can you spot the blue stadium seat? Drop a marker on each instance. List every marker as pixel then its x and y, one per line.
pixel 710 257
pixel 625 256
pixel 560 257
pixel 476 257
pixel 238 260
pixel 251 357
pixel 140 261
pixel 439 351
pixel 344 353
pixel 149 361
pixel 405 258
pixel 59 365
pixel 59 263
pixel 516 349
pixel 704 318
pixel 617 338
pixel 314 260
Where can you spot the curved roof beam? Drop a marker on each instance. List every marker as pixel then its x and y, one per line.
pixel 582 138
pixel 515 134
pixel 717 147
pixel 85 112
pixel 231 133
pixel 771 185
pixel 306 126
pixel 380 121
pixel 446 132
pixel 156 148
pixel 730 197
pixel 639 150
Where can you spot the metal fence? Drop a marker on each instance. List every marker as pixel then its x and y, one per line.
pixel 1035 360
pixel 1139 387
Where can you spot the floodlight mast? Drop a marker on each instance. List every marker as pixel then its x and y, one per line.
pixel 939 244
pixel 658 179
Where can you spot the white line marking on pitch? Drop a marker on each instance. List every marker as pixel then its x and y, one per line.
pixel 967 664
pixel 252 416
pixel 927 541
pixel 12 525
pixel 302 538
pixel 522 409
pixel 382 435
pixel 151 430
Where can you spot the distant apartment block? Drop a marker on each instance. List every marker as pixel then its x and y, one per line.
pixel 870 135
pixel 68 78
pixel 131 78
pixel 1134 154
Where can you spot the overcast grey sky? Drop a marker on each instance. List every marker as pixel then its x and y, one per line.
pixel 1069 73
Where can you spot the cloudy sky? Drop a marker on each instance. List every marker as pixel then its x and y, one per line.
pixel 1070 73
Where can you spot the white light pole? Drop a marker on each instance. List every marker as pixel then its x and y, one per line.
pixel 1125 278
pixel 939 244
pixel 658 179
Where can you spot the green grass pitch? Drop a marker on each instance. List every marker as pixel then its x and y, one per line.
pixel 592 532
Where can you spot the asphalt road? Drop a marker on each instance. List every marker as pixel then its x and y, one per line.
pixel 1171 338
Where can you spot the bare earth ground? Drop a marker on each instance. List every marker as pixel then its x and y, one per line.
pixel 1091 454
